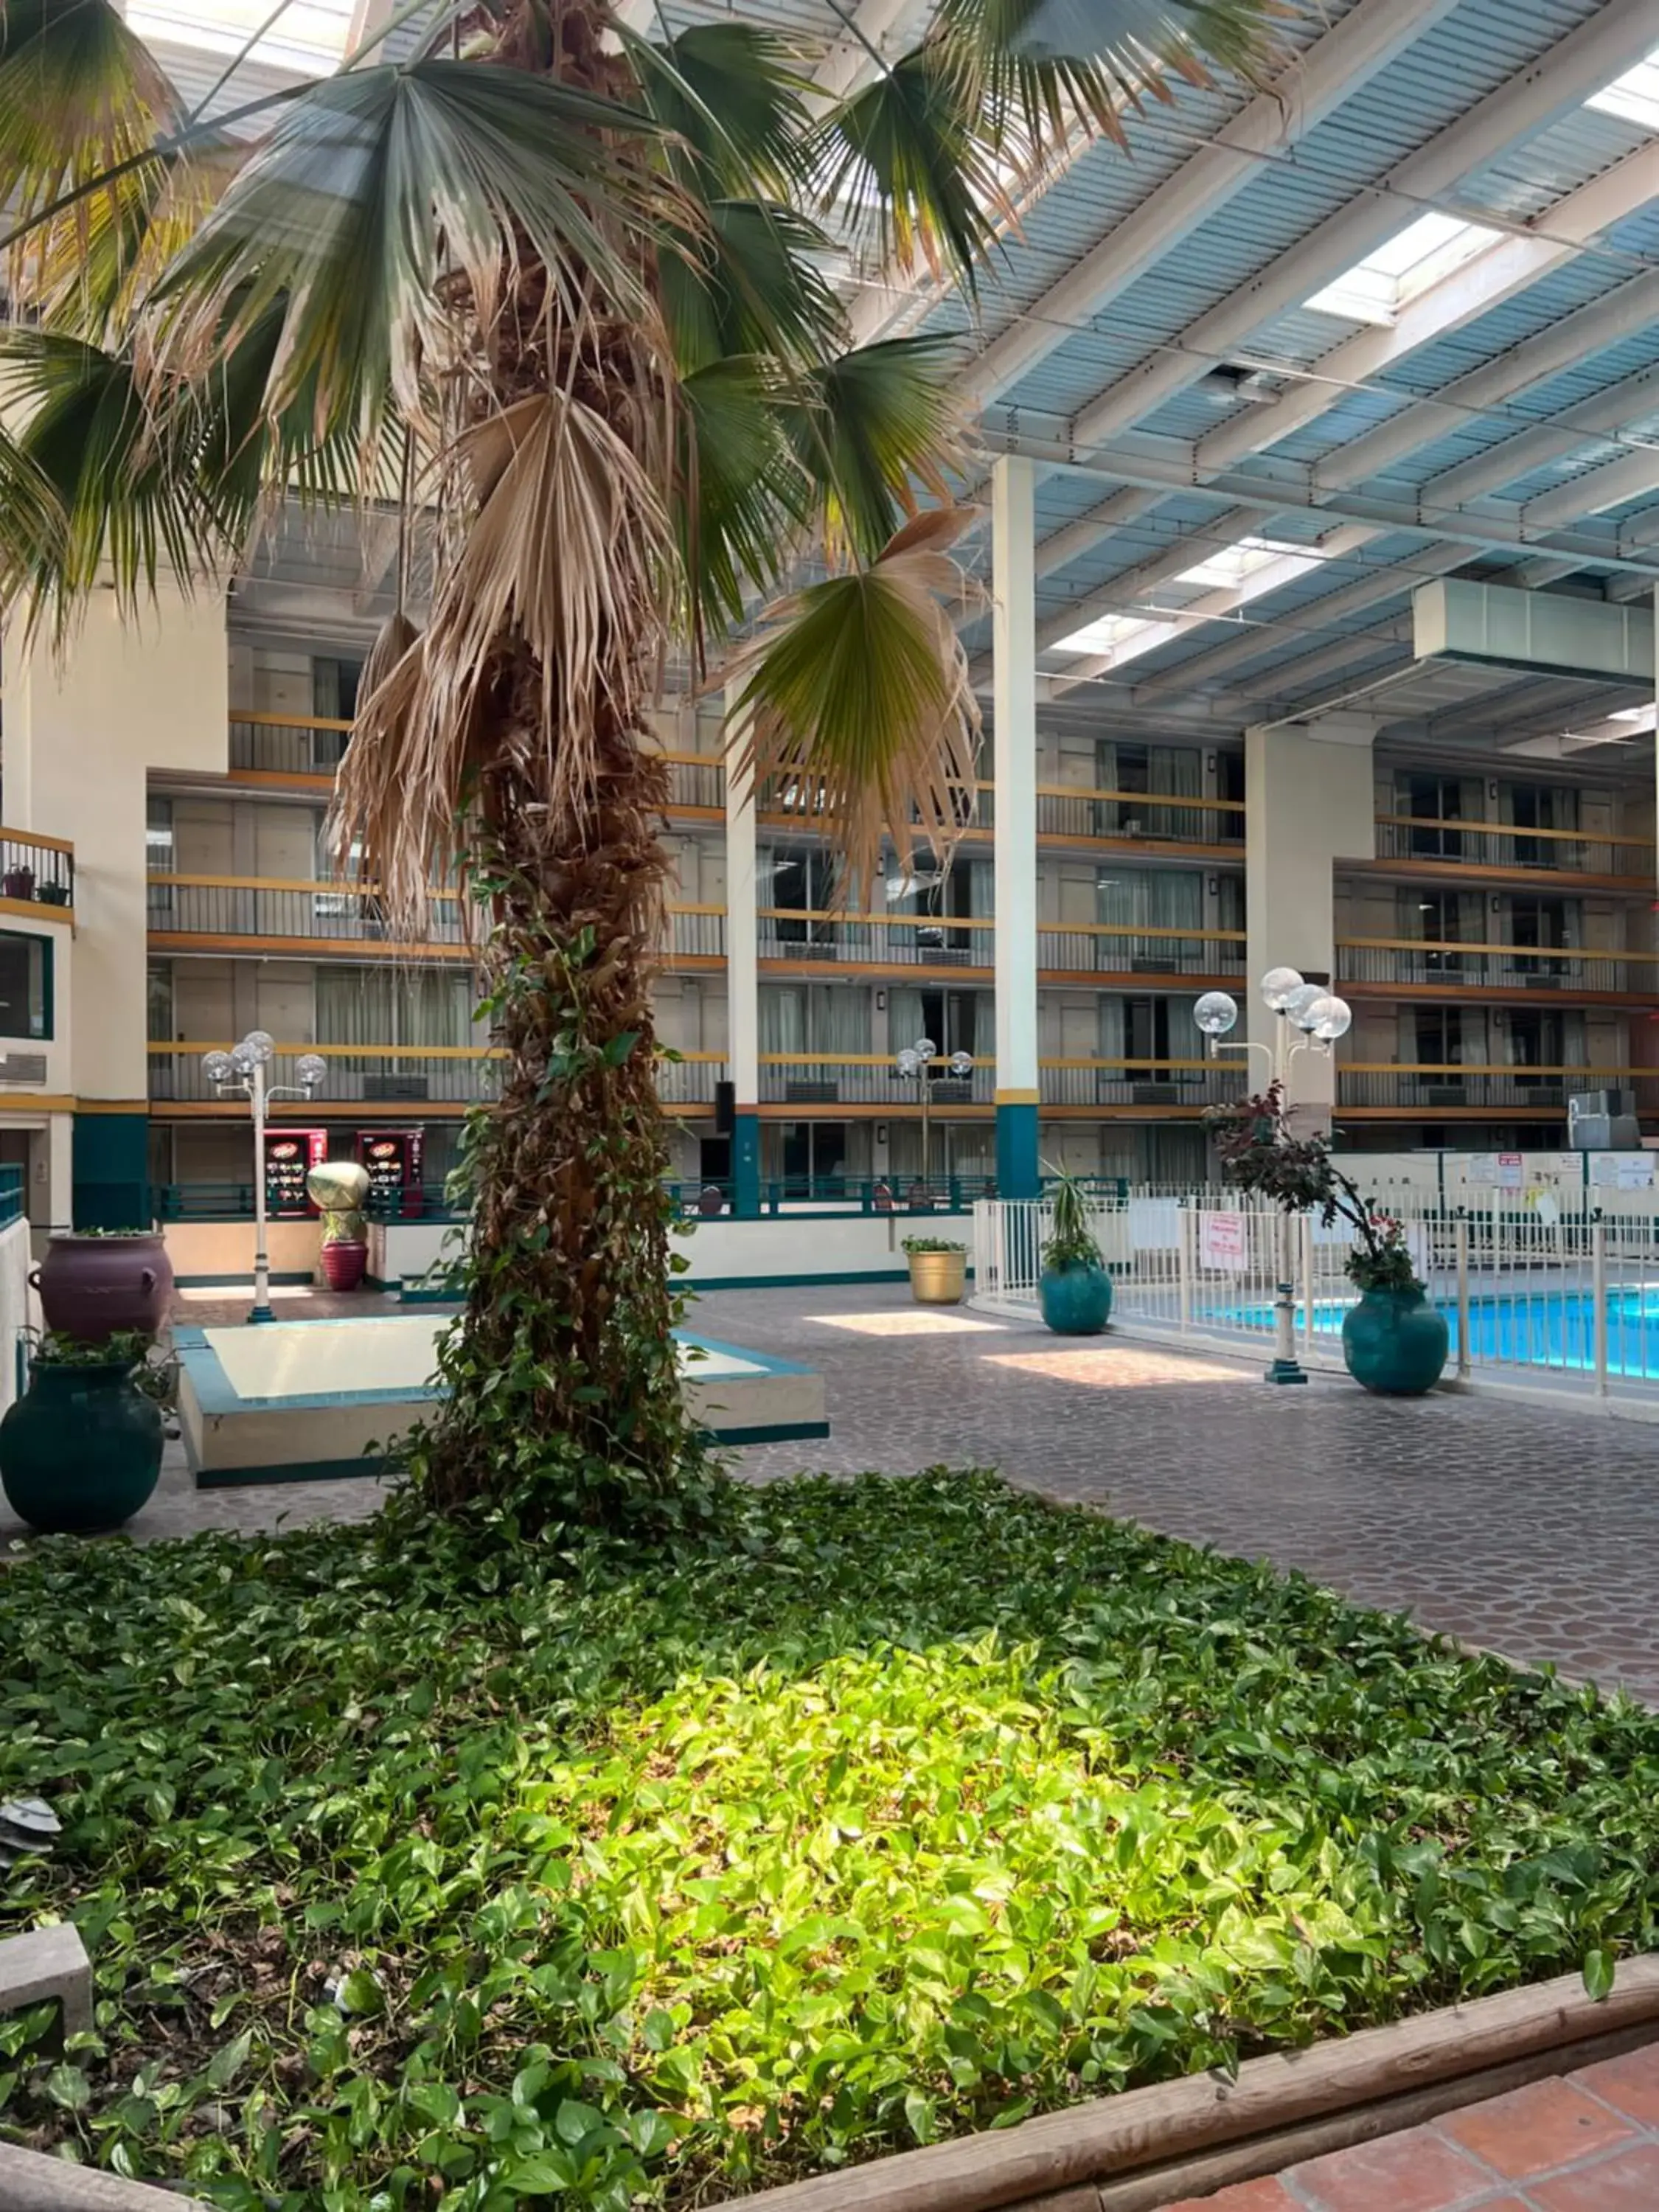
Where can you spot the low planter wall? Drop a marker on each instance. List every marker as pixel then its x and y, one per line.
pixel 1148 2147
pixel 207 1252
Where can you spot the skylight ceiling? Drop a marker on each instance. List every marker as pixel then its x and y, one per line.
pixel 309 36
pixel 1375 289
pixel 1635 95
pixel 1232 573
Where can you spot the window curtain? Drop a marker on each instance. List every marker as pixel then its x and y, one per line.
pixel 904 1017
pixel 414 1007
pixel 782 1018
pixel 1147 898
pixel 1179 771
pixel 1111 1045
pixel 328 702
pixel 814 1017
pixel 982 892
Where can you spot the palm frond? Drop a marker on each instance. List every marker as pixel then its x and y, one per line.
pixel 372 183
pixel 904 152
pixel 859 690
pixel 80 95
pixel 748 282
pixel 566 557
pixel 878 423
pixel 730 102
pixel 741 497
pixel 1027 68
pixel 124 474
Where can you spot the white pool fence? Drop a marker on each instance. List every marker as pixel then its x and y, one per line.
pixel 1533 1295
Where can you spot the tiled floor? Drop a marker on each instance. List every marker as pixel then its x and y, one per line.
pixel 1587 2143
pixel 1527 1530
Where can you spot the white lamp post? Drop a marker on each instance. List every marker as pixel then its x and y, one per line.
pixel 242 1073
pixel 914 1063
pixel 1318 1017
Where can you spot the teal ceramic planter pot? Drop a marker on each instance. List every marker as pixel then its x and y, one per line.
pixel 81 1451
pixel 1076 1301
pixel 1395 1343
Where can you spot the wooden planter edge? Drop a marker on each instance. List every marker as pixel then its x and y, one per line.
pixel 1139 2148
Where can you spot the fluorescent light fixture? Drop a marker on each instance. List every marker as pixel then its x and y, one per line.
pixel 308 38
pixel 1375 289
pixel 1635 97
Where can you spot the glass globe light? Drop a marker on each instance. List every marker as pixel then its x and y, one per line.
pixel 962 1064
pixel 1335 1020
pixel 1277 985
pixel 311 1070
pixel 259 1046
pixel 907 1062
pixel 1296 1007
pixel 925 1049
pixel 218 1066
pixel 242 1060
pixel 1216 1013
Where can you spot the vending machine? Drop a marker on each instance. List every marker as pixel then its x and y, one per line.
pixel 290 1155
pixel 393 1157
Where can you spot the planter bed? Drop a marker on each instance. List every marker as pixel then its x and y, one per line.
pixel 879 1813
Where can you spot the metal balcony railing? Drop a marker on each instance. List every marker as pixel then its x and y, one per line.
pixel 877 939
pixel 1425 1088
pixel 39 870
pixel 232 907
pixel 287 744
pixel 1112 948
pixel 393 1074
pixel 1500 846
pixel 1068 813
pixel 1535 969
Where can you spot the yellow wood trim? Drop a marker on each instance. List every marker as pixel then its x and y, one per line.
pixel 1523 952
pixel 320 886
pixel 266 721
pixel 1018 1097
pixel 1511 830
pixel 304 948
pixel 689 760
pixel 694 910
pixel 1131 797
pixel 34 837
pixel 111 1105
pixel 53 1102
pixel 33 908
pixel 327 1110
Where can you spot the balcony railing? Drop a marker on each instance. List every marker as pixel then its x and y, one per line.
pixel 318 912
pixel 1543 969
pixel 393 1074
pixel 286 745
pixel 819 1080
pixel 1115 948
pixel 1428 1089
pixel 950 940
pixel 37 870
pixel 1500 846
pixel 696 932
pixel 696 780
pixel 1069 812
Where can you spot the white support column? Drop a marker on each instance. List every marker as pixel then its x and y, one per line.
pixel 1308 792
pixel 742 969
pixel 1014 522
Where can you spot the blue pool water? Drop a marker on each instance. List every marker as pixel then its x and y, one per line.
pixel 1536 1328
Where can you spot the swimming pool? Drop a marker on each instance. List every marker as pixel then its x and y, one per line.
pixel 1523 1327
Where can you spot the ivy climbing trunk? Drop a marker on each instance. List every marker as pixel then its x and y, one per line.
pixel 562 1380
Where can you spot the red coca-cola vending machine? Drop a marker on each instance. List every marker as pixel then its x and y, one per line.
pixel 290 1155
pixel 393 1157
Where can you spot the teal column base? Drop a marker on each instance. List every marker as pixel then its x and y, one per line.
pixel 1286 1370
pixel 746 1164
pixel 109 1162
pixel 1018 1174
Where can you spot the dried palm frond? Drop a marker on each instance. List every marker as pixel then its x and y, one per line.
pixel 567 554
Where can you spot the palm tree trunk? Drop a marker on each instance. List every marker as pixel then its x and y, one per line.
pixel 562 1372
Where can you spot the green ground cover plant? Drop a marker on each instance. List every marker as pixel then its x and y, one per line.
pixel 429 1864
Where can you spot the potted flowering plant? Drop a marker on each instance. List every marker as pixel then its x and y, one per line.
pixel 1394 1341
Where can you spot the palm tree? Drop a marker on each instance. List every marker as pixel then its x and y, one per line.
pixel 558 298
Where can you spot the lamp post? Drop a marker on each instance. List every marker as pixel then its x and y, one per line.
pixel 913 1062
pixel 242 1074
pixel 1320 1018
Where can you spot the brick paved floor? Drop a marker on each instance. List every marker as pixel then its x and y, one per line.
pixel 1530 1530
pixel 1587 2143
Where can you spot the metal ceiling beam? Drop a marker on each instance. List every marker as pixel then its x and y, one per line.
pixel 1370 37
pixel 1564 433
pixel 1619 34
pixel 1352 599
pixel 1632 476
pixel 1507 267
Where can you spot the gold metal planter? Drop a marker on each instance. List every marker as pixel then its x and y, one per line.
pixel 939 1278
